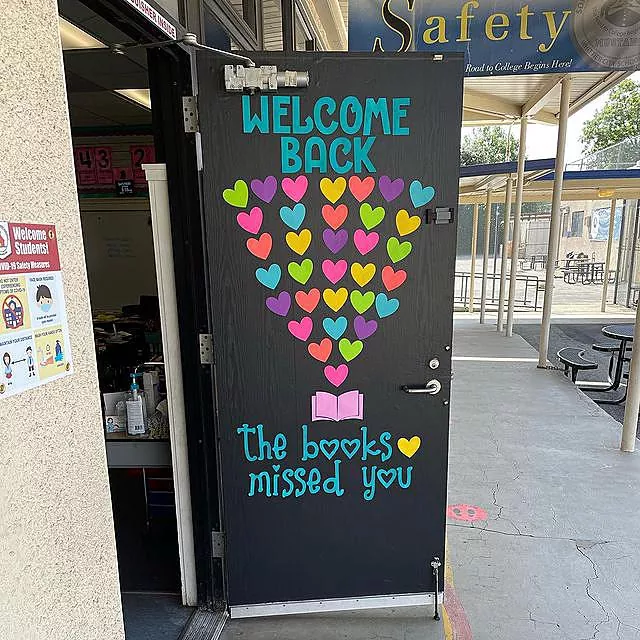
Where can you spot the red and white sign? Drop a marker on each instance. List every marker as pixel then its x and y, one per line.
pixel 27 248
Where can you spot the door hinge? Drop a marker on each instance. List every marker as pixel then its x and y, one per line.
pixel 217 544
pixel 190 113
pixel 206 348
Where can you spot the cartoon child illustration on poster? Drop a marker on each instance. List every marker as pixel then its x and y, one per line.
pixel 44 299
pixel 31 363
pixel 8 370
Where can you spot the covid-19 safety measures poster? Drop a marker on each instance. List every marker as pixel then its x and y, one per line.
pixel 34 336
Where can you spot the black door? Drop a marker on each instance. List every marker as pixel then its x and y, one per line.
pixel 332 289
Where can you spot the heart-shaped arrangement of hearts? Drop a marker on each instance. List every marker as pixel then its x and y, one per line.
pixel 336 320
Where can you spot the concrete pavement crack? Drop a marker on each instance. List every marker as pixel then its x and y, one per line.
pixel 581 545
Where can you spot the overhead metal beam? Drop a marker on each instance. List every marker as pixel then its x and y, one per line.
pixel 598 89
pixel 542 96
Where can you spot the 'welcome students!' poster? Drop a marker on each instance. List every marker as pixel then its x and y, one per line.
pixel 34 337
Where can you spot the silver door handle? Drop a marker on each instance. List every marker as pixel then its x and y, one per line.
pixel 432 388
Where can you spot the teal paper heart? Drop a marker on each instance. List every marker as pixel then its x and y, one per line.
pixel 335 328
pixel 420 195
pixel 386 306
pixel 269 277
pixel 293 217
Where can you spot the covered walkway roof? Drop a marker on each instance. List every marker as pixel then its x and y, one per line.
pixel 476 180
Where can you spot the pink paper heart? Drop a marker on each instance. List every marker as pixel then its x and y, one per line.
pixel 336 375
pixel 301 330
pixel 251 221
pixel 295 189
pixel 334 270
pixel 364 241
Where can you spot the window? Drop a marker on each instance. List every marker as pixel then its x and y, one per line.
pixel 577 224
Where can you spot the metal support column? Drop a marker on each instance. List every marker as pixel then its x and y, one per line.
pixel 503 264
pixel 632 405
pixel 515 240
pixel 556 219
pixel 288 26
pixel 485 257
pixel 474 249
pixel 605 283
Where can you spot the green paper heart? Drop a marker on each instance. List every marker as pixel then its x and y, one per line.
pixel 300 272
pixel 361 301
pixel 350 350
pixel 398 250
pixel 371 217
pixel 238 196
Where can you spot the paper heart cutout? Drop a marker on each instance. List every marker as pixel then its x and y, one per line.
pixel 308 301
pixel 390 189
pixel 332 190
pixel 265 190
pixel 406 224
pixel 386 306
pixel 334 271
pixel 293 217
pixel 260 247
pixel 336 375
pixel 420 195
pixel 295 189
pixel 393 279
pixel 335 299
pixel 299 242
pixel 238 196
pixel 334 217
pixel 335 328
pixel 321 351
pixel 301 272
pixel 269 277
pixel 281 304
pixel 350 350
pixel 371 217
pixel 335 240
pixel 362 274
pixel 362 301
pixel 361 188
pixel 409 447
pixel 252 221
pixel 301 330
pixel 364 328
pixel 398 250
pixel 364 241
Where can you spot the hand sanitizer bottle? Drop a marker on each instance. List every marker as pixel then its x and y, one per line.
pixel 135 409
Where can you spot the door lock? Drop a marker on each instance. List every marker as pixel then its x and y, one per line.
pixel 432 387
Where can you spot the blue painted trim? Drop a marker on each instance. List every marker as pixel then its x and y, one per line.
pixel 506 167
pixel 595 174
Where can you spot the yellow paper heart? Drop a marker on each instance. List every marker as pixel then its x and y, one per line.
pixel 409 447
pixel 406 224
pixel 299 242
pixel 333 190
pixel 361 274
pixel 335 299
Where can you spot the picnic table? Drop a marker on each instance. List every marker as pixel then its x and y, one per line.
pixel 584 271
pixel 622 334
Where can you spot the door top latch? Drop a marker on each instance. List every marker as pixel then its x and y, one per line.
pixel 264 78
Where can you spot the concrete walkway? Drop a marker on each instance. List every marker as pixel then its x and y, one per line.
pixel 558 556
pixel 556 551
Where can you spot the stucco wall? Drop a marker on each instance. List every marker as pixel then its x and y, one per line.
pixel 58 570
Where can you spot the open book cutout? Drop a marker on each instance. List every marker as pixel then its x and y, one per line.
pixel 327 406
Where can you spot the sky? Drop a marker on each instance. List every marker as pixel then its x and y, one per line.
pixel 541 138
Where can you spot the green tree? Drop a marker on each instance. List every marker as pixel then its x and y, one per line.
pixel 618 120
pixel 487 145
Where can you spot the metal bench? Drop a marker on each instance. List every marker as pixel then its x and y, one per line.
pixel 574 359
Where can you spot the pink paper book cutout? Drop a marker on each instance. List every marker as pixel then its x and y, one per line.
pixel 346 406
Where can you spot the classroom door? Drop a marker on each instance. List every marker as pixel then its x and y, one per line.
pixel 330 226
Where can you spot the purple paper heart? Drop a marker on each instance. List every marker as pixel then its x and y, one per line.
pixel 335 240
pixel 279 305
pixel 390 189
pixel 364 328
pixel 265 190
